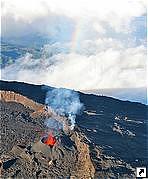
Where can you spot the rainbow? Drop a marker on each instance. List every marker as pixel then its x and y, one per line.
pixel 76 36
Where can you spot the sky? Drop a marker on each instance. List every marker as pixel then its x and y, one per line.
pixel 94 44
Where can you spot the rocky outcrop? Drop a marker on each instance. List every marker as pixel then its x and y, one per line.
pixel 37 110
pixel 84 166
pixel 10 96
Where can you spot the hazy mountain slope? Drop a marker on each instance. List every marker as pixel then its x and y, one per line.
pixel 130 94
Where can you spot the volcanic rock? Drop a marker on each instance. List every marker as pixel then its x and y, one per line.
pixel 108 141
pixel 28 157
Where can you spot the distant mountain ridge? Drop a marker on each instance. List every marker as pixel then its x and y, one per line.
pixel 24 89
pixel 130 94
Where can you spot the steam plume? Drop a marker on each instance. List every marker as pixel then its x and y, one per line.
pixel 65 103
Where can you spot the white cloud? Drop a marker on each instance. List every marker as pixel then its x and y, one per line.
pixel 94 43
pixel 100 9
pixel 109 67
pixel 116 13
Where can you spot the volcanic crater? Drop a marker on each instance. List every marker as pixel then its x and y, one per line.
pixel 107 140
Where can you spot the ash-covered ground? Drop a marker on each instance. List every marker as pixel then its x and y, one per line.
pixel 109 138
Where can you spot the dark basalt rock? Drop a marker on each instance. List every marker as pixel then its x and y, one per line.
pixel 112 134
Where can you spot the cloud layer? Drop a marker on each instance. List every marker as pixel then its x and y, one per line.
pixel 94 44
pixel 115 67
pixel 47 17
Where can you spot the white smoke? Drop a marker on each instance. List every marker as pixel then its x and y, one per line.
pixel 53 125
pixel 65 103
